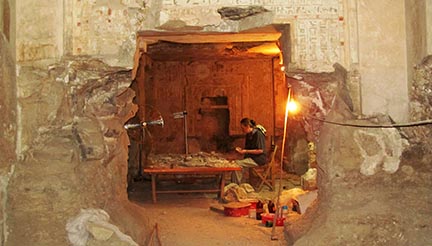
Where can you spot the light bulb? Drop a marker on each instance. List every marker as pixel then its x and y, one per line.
pixel 292 106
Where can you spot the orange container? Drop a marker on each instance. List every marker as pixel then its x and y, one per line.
pixel 269 217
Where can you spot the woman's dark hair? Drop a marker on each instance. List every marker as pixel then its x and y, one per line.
pixel 248 122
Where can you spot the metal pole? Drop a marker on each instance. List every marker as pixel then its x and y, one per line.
pixel 273 236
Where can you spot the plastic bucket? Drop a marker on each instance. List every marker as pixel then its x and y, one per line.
pixel 268 217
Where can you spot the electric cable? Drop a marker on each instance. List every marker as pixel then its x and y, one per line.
pixel 299 77
pixel 408 124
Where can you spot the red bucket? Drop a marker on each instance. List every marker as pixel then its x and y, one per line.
pixel 269 217
pixel 253 203
pixel 236 209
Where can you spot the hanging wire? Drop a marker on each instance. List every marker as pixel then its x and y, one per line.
pixel 299 77
pixel 408 124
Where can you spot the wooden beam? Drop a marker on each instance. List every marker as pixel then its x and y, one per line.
pixel 262 34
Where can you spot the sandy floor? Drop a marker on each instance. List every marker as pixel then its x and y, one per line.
pixel 190 219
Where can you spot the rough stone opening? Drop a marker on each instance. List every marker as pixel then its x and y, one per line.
pixel 217 79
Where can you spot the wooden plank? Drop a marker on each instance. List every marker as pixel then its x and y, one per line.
pixel 255 35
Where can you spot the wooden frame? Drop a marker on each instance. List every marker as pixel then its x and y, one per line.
pixel 266 173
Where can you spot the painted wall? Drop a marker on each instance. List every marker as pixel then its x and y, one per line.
pixel 324 32
pixel 107 29
pixel 318 34
pixel 103 29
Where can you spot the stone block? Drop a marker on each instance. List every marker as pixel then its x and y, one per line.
pixel 249 22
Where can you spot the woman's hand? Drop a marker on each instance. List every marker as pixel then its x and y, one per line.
pixel 239 150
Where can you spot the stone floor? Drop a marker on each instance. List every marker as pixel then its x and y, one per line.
pixel 191 218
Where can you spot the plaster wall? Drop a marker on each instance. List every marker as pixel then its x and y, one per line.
pixel 39 26
pixel 103 29
pixel 428 8
pixel 107 29
pixel 383 58
pixel 416 13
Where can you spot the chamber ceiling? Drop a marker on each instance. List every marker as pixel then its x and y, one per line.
pixel 192 45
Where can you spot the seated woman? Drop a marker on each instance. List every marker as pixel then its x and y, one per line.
pixel 254 149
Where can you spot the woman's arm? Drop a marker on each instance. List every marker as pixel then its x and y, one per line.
pixel 249 151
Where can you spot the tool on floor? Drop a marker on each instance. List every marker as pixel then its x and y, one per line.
pixel 152 236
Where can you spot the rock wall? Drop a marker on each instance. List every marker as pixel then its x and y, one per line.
pixel 8 123
pixel 75 155
pixel 372 179
pixel 315 94
pixel 420 105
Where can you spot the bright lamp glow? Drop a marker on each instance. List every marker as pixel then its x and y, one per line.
pixel 292 106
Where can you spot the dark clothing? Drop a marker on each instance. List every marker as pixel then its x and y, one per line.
pixel 256 140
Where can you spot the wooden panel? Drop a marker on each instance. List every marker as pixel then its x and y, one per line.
pixel 180 86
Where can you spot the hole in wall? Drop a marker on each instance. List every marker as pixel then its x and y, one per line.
pixel 217 78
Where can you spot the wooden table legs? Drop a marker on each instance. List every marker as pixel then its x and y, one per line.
pixel 222 185
pixel 153 184
pixel 220 190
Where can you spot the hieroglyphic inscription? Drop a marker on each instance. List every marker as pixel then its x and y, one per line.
pixel 301 11
pixel 279 8
pixel 248 2
pixel 317 42
pixel 318 32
